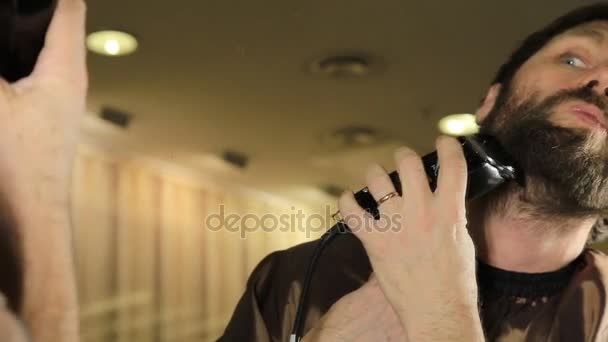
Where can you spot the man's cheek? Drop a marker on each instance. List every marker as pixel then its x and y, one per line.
pixel 536 85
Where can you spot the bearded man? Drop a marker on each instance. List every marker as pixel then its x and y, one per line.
pixel 513 265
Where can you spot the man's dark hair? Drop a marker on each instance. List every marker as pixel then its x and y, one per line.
pixel 536 41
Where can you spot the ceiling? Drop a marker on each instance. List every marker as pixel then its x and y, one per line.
pixel 212 75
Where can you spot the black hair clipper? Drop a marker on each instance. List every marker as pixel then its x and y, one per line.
pixel 488 166
pixel 23 26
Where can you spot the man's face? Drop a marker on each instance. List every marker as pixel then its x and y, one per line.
pixel 568 62
pixel 544 117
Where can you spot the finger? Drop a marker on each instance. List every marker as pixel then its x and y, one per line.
pixel 356 218
pixel 452 179
pixel 379 183
pixel 63 56
pixel 414 180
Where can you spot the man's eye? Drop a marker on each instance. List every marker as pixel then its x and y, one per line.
pixel 573 61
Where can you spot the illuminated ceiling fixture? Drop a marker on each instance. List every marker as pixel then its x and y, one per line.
pixel 346 65
pixel 112 43
pixel 353 136
pixel 458 124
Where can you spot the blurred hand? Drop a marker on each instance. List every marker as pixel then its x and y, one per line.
pixel 40 114
pixel 40 117
pixel 363 315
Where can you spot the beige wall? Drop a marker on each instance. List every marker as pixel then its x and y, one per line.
pixel 147 265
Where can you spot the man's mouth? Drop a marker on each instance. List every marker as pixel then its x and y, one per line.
pixel 591 114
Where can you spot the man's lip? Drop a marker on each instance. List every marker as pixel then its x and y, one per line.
pixel 592 111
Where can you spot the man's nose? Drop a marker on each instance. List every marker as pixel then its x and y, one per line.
pixel 599 80
pixel 595 84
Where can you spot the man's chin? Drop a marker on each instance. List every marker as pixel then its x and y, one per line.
pixel 563 154
pixel 597 145
pixel 566 165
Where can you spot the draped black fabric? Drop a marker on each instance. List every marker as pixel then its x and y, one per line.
pixel 565 305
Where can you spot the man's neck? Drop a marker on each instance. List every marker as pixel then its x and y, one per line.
pixel 512 240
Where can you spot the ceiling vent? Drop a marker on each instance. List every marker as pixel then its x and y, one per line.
pixel 333 190
pixel 235 158
pixel 115 117
pixel 353 136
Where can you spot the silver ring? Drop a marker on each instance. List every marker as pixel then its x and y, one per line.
pixel 387 197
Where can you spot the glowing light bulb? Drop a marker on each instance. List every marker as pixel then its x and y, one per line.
pixel 456 127
pixel 112 47
pixel 458 124
pixel 112 43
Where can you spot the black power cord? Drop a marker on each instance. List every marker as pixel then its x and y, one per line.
pixel 326 239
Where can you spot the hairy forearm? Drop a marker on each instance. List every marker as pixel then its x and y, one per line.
pixel 50 308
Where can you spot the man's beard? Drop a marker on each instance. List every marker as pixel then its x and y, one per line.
pixel 566 169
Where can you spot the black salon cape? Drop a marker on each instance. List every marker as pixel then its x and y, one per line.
pixel 566 305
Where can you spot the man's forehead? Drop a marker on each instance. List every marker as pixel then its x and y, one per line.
pixel 596 30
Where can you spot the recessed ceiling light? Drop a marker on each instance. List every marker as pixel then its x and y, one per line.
pixel 346 65
pixel 112 43
pixel 458 124
pixel 353 136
